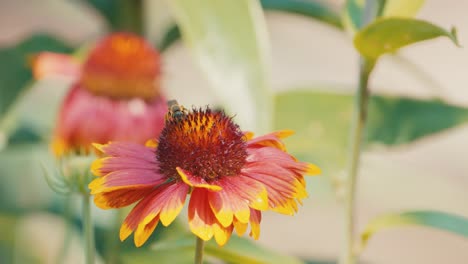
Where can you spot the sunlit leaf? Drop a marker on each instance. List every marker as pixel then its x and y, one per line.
pixel 402 8
pixel 15 72
pixel 433 219
pixel 237 250
pixel 308 8
pixel 230 43
pixel 387 35
pixel 321 121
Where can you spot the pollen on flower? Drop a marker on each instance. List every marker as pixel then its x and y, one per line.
pixel 208 144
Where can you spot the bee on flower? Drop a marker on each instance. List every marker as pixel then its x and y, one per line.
pixel 229 175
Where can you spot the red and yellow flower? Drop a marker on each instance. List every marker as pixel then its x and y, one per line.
pixel 115 94
pixel 230 175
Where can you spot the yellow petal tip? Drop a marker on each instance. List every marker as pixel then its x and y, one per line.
pixel 185 179
pixel 99 147
pixel 96 166
pixel 152 143
pixel 125 232
pixel 285 133
pixel 313 169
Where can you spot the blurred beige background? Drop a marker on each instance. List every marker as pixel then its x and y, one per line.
pixel 430 174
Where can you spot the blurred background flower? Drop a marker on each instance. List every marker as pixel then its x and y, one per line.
pixel 115 95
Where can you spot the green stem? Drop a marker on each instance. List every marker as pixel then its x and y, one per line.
pixel 130 16
pixel 67 215
pixel 199 251
pixel 356 137
pixel 113 240
pixel 88 230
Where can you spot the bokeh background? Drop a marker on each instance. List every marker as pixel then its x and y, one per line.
pixel 307 55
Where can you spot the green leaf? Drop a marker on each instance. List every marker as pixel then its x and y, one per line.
pixel 353 15
pixel 433 219
pixel 107 8
pixel 171 35
pixel 230 43
pixel 312 9
pixel 402 8
pixel 321 121
pixel 15 72
pixel 242 250
pixel 358 13
pixel 387 35
pixel 237 250
pixel 394 120
pixel 163 256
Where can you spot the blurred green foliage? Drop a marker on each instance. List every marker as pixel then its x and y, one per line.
pixel 15 65
pixel 307 8
pixel 437 220
pixel 322 121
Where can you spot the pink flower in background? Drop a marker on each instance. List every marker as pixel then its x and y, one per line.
pixel 115 95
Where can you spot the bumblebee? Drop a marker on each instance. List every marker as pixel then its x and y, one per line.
pixel 175 111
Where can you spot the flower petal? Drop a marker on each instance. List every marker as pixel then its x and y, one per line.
pixel 195 181
pixel 87 118
pixel 152 143
pixel 255 219
pixel 144 231
pixel 271 140
pixel 103 166
pixel 281 175
pixel 127 149
pixel 125 179
pixel 240 227
pixel 167 200
pixel 237 195
pixel 120 198
pixel 168 203
pixel 49 64
pixel 201 217
pixel 222 234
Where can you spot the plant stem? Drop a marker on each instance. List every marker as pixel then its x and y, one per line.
pixel 67 215
pixel 113 241
pixel 199 251
pixel 88 230
pixel 130 16
pixel 356 138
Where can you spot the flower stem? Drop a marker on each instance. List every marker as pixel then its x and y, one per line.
pixel 200 245
pixel 129 16
pixel 88 230
pixel 67 215
pixel 113 241
pixel 356 138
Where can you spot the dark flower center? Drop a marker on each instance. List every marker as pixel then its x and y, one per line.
pixel 203 142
